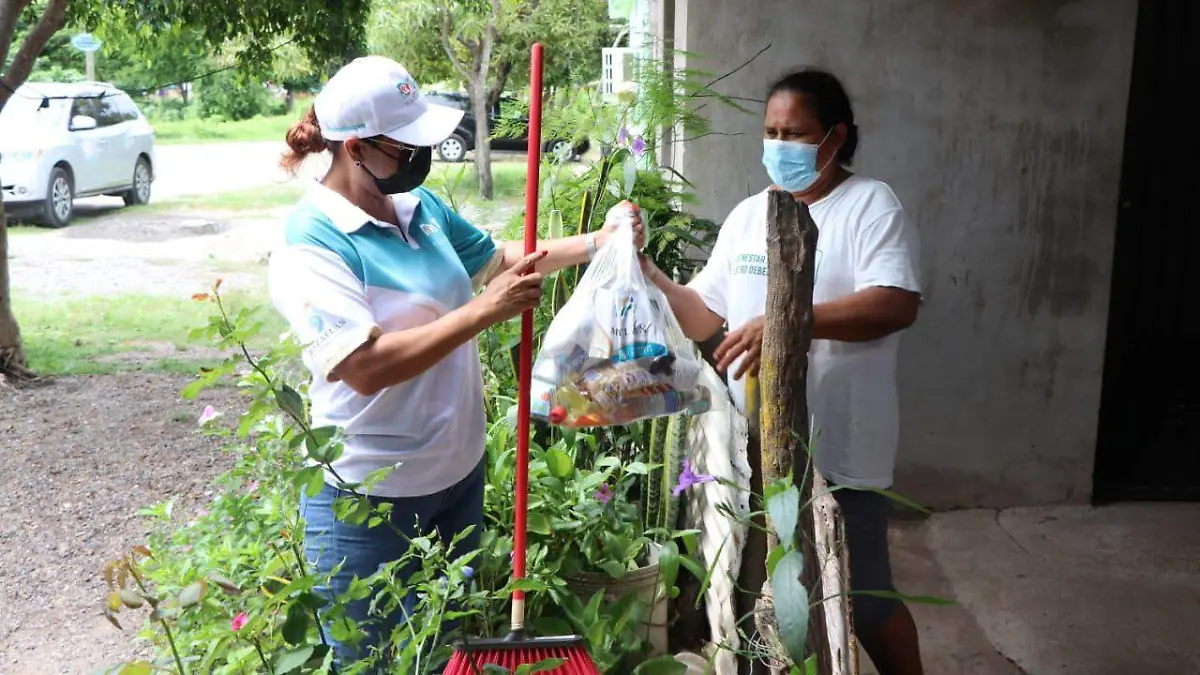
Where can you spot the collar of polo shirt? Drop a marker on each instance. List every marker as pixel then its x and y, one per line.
pixel 348 218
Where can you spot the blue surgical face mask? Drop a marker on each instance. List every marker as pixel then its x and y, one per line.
pixel 792 165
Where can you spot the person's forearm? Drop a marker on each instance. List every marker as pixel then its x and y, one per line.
pixel 869 314
pixel 698 322
pixel 560 253
pixel 399 356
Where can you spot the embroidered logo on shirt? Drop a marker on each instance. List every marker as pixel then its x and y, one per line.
pixel 314 320
pixel 429 228
pixel 322 329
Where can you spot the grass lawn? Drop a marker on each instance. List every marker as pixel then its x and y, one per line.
pixel 193 131
pixel 73 337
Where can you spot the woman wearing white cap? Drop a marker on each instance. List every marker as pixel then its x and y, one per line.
pixel 376 280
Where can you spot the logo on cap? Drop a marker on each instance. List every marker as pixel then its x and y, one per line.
pixel 408 89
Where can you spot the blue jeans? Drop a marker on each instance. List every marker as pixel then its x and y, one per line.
pixel 329 541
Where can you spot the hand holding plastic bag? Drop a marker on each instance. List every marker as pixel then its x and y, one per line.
pixel 615 354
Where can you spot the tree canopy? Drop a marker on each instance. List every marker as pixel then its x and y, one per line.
pixel 485 44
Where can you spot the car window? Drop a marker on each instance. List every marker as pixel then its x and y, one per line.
pixel 88 107
pixel 109 111
pixel 449 101
pixel 128 108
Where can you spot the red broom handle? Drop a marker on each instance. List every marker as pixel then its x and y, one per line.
pixel 533 164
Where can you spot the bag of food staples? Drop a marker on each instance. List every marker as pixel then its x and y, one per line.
pixel 615 354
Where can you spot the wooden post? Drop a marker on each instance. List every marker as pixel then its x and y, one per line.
pixel 791 255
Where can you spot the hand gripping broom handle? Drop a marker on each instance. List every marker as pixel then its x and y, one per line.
pixel 533 164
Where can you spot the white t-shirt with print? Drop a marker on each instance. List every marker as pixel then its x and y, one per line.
pixel 864 240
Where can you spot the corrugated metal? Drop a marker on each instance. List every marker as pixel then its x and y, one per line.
pixel 1149 434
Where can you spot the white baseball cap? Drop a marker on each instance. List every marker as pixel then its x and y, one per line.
pixel 375 96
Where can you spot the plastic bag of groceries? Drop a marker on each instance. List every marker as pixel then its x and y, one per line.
pixel 615 354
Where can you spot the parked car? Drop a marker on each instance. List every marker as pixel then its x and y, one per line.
pixel 62 141
pixel 455 148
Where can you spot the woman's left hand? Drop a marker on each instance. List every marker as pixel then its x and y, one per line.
pixel 745 340
pixel 613 220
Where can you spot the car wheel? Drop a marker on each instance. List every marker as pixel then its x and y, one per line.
pixel 139 194
pixel 60 199
pixel 453 149
pixel 562 151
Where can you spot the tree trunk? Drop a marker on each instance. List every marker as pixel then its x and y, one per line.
pixel 13 368
pixel 483 144
pixel 791 251
pixel 12 353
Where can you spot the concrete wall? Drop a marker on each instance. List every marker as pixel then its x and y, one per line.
pixel 1000 125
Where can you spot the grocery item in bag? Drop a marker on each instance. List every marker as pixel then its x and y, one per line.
pixel 615 354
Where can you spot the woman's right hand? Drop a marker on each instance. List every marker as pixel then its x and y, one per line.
pixel 513 291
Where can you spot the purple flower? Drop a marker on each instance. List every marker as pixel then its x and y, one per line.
pixel 622 136
pixel 688 478
pixel 604 494
pixel 639 147
pixel 468 572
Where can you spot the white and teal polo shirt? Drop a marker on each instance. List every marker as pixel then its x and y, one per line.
pixel 343 277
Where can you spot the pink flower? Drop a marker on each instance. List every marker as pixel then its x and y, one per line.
pixel 688 478
pixel 239 621
pixel 604 494
pixel 210 413
pixel 252 486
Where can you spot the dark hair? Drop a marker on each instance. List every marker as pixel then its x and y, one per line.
pixel 304 139
pixel 828 100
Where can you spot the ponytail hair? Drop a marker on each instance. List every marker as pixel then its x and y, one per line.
pixel 303 139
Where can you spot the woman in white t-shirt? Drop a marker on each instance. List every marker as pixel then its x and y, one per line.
pixel 866 293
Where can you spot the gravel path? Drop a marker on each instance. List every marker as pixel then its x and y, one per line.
pixel 83 455
pixel 173 254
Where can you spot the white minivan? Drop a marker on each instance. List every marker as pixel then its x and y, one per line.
pixel 62 141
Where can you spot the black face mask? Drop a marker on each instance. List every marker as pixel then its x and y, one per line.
pixel 409 175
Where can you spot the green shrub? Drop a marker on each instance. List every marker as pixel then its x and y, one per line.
pixel 162 109
pixel 230 97
pixel 54 72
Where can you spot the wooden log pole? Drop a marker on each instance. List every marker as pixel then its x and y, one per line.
pixel 791 257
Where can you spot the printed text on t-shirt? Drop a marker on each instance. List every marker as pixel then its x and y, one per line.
pixel 750 263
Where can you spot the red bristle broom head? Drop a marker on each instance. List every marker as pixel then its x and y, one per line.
pixel 516 651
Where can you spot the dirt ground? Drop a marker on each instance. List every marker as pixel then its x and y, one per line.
pixel 84 454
